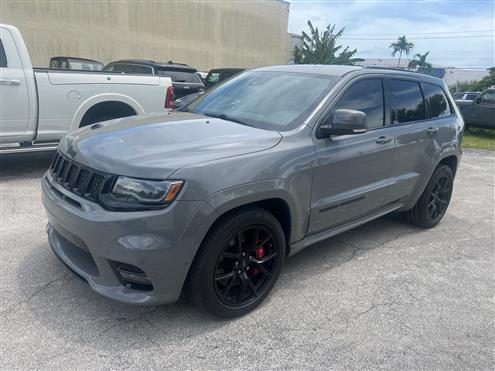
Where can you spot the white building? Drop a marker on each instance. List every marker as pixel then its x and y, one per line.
pixel 450 75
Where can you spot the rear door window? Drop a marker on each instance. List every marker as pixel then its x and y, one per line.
pixel 407 104
pixel 436 99
pixel 366 96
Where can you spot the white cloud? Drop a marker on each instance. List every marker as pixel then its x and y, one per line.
pixel 366 19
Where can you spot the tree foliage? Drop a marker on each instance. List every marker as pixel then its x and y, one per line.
pixel 321 48
pixel 402 45
pixel 477 85
pixel 420 64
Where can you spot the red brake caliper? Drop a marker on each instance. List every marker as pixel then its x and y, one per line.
pixel 260 253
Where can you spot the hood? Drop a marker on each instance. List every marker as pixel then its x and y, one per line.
pixel 155 146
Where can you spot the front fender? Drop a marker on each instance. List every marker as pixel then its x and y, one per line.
pixel 249 193
pixel 100 98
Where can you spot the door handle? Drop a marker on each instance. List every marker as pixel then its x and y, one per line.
pixel 383 140
pixel 432 131
pixel 10 82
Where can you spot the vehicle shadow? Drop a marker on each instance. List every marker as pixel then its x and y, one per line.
pixel 66 305
pixel 24 165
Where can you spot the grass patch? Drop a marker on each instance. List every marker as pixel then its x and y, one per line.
pixel 479 138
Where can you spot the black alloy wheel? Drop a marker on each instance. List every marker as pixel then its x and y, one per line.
pixel 440 197
pixel 434 201
pixel 238 263
pixel 246 266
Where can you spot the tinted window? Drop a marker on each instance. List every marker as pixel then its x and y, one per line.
pixel 137 69
pixel 407 101
pixel 180 76
pixel 366 96
pixel 3 57
pixel 471 96
pixel 488 97
pixel 266 100
pixel 437 101
pixel 129 68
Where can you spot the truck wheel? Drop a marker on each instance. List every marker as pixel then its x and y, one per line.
pixel 434 201
pixel 238 263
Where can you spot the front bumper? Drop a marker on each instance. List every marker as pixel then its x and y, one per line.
pixel 90 240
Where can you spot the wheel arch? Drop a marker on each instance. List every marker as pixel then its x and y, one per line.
pixel 99 100
pixel 451 161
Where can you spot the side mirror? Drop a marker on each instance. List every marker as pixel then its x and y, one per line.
pixel 343 122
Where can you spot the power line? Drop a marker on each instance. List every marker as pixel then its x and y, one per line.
pixel 419 38
pixel 423 33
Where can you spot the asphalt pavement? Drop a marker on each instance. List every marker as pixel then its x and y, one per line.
pixel 385 295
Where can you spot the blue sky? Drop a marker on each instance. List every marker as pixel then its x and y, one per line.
pixel 384 20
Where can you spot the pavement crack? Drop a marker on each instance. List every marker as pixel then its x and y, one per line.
pixel 35 293
pixel 140 317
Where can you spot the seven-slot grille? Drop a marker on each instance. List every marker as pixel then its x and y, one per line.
pixel 81 180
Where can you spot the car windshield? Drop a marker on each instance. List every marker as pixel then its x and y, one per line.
pixel 265 99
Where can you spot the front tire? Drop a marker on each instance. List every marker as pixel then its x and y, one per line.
pixel 434 201
pixel 238 263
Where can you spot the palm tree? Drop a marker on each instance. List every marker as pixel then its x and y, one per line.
pixel 401 46
pixel 320 48
pixel 420 63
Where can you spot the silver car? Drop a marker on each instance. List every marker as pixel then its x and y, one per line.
pixel 211 201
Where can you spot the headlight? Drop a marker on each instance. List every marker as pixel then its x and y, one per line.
pixel 133 194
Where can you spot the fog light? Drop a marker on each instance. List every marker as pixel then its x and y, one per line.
pixel 133 277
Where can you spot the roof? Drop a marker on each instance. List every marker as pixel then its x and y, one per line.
pixel 322 69
pixel 75 58
pixel 169 64
pixel 340 70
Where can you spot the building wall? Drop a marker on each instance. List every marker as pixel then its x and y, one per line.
pixel 204 34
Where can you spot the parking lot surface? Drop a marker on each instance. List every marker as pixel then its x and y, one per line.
pixel 385 295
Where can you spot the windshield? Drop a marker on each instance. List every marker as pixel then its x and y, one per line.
pixel 266 99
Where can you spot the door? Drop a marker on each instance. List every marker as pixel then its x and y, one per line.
pixel 416 133
pixel 484 109
pixel 352 171
pixel 14 97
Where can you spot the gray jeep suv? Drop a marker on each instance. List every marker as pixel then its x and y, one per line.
pixel 210 202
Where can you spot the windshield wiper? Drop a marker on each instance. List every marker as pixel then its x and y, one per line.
pixel 223 116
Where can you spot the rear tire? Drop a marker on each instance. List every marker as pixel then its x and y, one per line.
pixel 238 263
pixel 433 203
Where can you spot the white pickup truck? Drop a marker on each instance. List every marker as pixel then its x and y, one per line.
pixel 38 106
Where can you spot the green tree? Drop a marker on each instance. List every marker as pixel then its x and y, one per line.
pixel 420 64
pixel 476 85
pixel 401 46
pixel 321 48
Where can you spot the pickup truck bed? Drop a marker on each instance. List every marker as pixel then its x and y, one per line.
pixel 40 105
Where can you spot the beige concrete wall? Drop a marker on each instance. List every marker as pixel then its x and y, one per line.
pixel 205 34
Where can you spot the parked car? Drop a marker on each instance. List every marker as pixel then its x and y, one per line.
pixel 74 63
pixel 480 112
pixel 218 75
pixel 213 78
pixel 465 95
pixel 182 102
pixel 214 200
pixel 184 78
pixel 39 105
